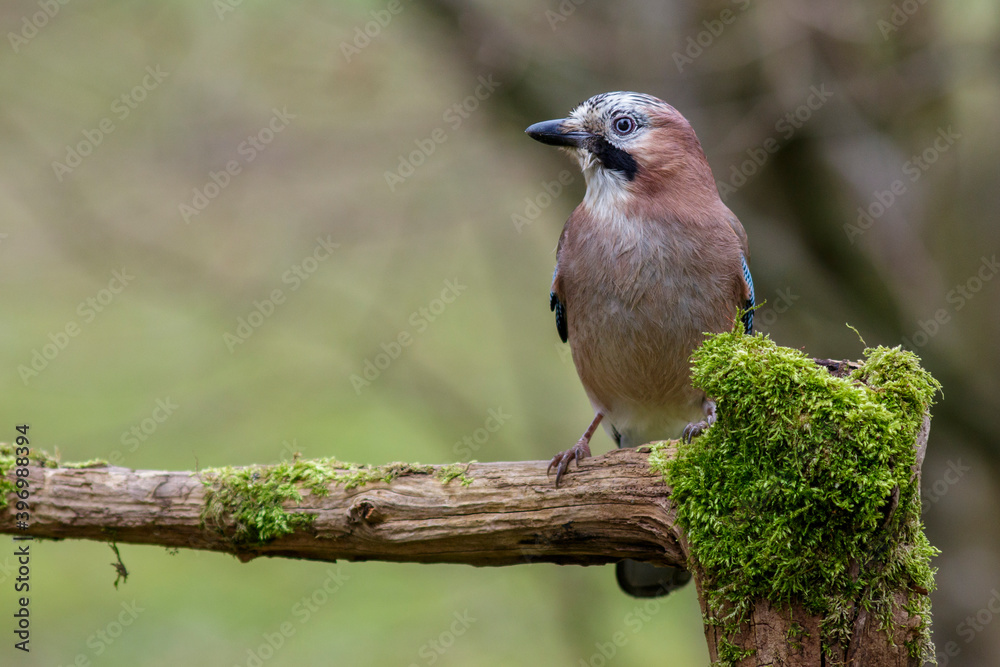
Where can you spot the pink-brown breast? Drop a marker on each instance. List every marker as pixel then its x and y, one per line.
pixel 639 296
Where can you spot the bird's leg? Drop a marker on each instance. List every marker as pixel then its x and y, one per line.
pixel 694 430
pixel 579 451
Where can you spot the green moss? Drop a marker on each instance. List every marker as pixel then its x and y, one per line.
pixel 792 486
pixel 730 653
pixel 92 463
pixel 121 571
pixel 38 457
pixel 253 499
pixel 8 461
pixel 795 634
pixel 449 472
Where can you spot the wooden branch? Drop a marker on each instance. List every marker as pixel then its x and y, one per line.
pixel 613 507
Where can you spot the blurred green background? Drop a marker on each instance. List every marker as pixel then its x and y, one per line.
pixel 114 116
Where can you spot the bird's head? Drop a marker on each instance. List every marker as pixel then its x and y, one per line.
pixel 630 145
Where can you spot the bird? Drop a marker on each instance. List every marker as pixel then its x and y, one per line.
pixel 647 264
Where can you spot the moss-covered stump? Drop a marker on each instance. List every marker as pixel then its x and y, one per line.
pixel 801 507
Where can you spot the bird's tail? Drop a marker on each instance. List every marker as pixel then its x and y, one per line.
pixel 642 580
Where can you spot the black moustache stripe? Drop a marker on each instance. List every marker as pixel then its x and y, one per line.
pixel 613 157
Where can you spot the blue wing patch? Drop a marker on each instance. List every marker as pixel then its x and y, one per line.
pixel 748 314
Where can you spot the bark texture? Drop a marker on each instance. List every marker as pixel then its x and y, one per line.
pixel 789 636
pixel 613 507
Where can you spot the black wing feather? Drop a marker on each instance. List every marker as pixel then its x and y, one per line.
pixel 560 310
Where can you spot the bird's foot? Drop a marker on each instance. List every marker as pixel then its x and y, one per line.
pixel 579 451
pixel 561 461
pixel 695 429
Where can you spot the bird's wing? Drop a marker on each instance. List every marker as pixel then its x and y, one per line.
pixel 749 302
pixel 741 233
pixel 557 302
pixel 560 310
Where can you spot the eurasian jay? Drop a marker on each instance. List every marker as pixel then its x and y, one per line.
pixel 647 264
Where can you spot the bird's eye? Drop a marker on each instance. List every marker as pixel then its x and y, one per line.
pixel 624 125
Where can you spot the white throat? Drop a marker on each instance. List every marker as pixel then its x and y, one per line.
pixel 607 190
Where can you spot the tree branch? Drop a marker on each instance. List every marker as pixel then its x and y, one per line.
pixel 613 507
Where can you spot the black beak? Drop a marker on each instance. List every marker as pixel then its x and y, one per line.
pixel 551 132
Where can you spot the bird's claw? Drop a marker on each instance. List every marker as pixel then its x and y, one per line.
pixel 693 430
pixel 561 461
